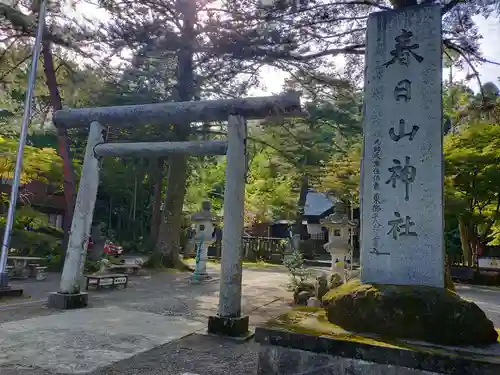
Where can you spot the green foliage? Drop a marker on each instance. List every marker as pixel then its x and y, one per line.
pixel 342 174
pixel 306 144
pixel 42 240
pixel 298 273
pixel 270 192
pixel 38 164
pixel 91 266
pixel 206 182
pixel 452 243
pixel 472 169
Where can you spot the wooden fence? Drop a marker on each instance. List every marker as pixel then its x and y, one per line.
pixel 267 249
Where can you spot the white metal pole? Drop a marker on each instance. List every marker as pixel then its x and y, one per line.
pixel 22 141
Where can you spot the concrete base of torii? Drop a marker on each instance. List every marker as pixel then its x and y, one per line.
pixel 236 328
pixel 66 301
pixel 6 290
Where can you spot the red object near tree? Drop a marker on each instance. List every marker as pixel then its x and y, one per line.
pixel 112 249
pixel 480 249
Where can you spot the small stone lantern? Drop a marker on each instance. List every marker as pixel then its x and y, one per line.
pixel 338 225
pixel 203 223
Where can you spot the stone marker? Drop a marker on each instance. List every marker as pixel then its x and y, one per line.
pixel 402 167
pixel 203 222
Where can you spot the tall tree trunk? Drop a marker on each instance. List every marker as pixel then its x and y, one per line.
pixel 464 239
pixel 62 140
pixel 298 227
pixel 169 235
pixel 168 245
pixel 156 214
pixel 474 241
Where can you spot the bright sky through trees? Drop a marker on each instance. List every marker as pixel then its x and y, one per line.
pixel 273 79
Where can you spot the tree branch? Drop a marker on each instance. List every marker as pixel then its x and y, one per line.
pixel 452 4
pixel 27 25
pixel 457 49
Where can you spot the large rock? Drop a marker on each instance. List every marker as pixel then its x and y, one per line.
pixel 303 292
pixel 335 280
pixel 424 313
pixel 321 286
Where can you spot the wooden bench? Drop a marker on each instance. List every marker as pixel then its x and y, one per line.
pixel 100 281
pixel 126 268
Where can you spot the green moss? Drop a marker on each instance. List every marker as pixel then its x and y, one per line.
pixel 423 313
pixel 314 321
pixel 216 262
pixel 260 264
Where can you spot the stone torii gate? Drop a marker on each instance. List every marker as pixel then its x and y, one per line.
pixel 229 320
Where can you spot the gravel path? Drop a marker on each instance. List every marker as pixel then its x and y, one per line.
pixel 192 355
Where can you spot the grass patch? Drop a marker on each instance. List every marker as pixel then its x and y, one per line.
pixel 164 270
pixel 6 300
pixel 260 264
pixel 247 264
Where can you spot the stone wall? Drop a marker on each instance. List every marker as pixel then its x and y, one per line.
pixel 285 352
pixel 275 360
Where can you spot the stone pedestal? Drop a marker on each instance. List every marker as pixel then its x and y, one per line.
pixel 232 327
pixel 5 289
pixel 62 301
pixel 204 235
pixel 200 272
pixel 283 352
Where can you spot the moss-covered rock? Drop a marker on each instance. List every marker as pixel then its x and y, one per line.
pixel 321 287
pixel 424 313
pixel 302 292
pixel 335 280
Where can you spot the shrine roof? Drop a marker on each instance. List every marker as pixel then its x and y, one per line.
pixel 318 203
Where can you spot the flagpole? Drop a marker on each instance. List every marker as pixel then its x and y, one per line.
pixel 4 278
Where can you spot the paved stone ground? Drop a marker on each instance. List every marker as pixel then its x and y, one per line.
pixel 166 307
pixel 192 355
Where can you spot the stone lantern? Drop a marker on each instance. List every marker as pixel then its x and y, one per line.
pixel 338 226
pixel 203 223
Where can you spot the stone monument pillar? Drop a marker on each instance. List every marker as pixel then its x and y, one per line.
pixel 338 225
pixel 204 236
pixel 402 166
